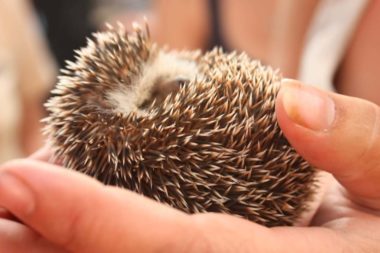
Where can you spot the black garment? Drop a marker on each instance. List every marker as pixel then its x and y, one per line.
pixel 67 25
pixel 216 35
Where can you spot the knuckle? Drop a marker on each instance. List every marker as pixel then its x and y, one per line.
pixel 367 149
pixel 369 155
pixel 374 137
pixel 204 229
pixel 218 232
pixel 79 231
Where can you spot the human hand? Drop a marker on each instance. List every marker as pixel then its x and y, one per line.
pixel 65 211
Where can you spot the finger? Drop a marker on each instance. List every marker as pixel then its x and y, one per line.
pixel 335 133
pixel 82 215
pixel 43 154
pixel 17 238
pixel 89 217
pixel 46 154
pixel 5 214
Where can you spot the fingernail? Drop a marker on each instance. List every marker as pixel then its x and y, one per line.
pixel 308 107
pixel 15 196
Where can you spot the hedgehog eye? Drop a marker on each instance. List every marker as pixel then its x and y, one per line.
pixel 162 88
pixel 181 81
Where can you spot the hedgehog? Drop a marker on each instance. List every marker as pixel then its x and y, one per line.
pixel 195 131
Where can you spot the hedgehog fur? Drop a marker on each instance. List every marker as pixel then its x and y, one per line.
pixel 195 131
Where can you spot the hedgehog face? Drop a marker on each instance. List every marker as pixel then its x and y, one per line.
pixel 137 72
pixel 209 143
pixel 162 74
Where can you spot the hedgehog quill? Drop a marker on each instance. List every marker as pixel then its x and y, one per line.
pixel 195 131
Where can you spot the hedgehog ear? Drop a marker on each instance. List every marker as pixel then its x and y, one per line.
pixel 194 55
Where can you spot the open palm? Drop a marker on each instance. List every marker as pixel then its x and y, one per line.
pixel 56 210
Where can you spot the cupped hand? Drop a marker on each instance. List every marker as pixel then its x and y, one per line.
pixel 57 210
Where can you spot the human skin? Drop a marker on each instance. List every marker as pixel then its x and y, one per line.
pixel 34 68
pixel 57 210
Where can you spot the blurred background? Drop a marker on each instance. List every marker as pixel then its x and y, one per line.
pixel 333 44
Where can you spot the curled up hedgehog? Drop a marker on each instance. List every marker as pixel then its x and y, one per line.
pixel 195 131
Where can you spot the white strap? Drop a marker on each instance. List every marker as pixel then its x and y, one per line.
pixel 330 32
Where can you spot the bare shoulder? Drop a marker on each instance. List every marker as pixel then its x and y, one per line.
pixel 359 74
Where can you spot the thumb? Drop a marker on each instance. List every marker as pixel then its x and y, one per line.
pixel 82 215
pixel 335 133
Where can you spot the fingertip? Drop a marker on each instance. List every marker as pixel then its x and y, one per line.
pixel 43 154
pixel 12 164
pixel 307 107
pixel 283 118
pixel 295 133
